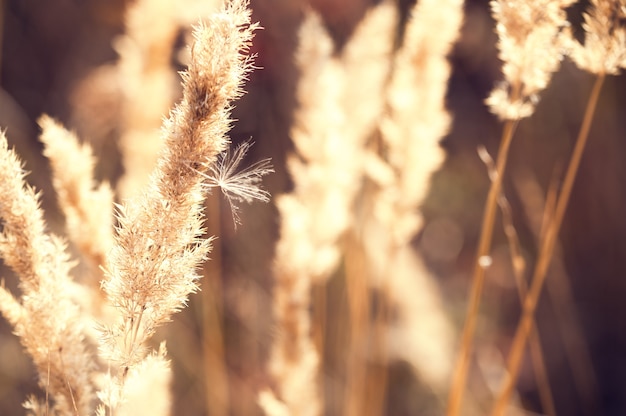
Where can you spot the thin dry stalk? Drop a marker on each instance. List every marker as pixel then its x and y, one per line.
pixel 358 295
pixel 603 52
pixel 377 381
pixel 214 364
pixel 461 368
pixel 319 322
pixel 530 46
pixel 548 210
pixel 560 291
pixel 519 269
pixel 545 255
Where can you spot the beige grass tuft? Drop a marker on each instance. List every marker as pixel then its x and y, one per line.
pixel 88 208
pixel 153 266
pixel 531 47
pixel 45 317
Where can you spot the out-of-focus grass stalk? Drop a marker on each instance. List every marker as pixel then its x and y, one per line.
pixel 319 298
pixel 519 269
pixel 545 255
pixel 559 288
pixel 536 351
pixel 216 378
pixel 531 48
pixel 459 378
pixel 357 288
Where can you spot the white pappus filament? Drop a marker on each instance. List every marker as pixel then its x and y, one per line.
pixel 238 186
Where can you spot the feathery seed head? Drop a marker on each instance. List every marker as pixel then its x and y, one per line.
pixel 531 46
pixel 46 318
pixel 604 49
pixel 153 266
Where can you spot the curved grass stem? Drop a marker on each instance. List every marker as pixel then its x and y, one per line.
pixel 459 377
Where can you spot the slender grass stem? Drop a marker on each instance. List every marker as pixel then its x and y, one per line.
pixel 560 291
pixel 67 383
pixel 519 269
pixel 135 330
pixel 545 254
pixel 47 409
pixel 211 315
pixel 358 305
pixel 320 323
pixel 461 369
pixel 536 351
